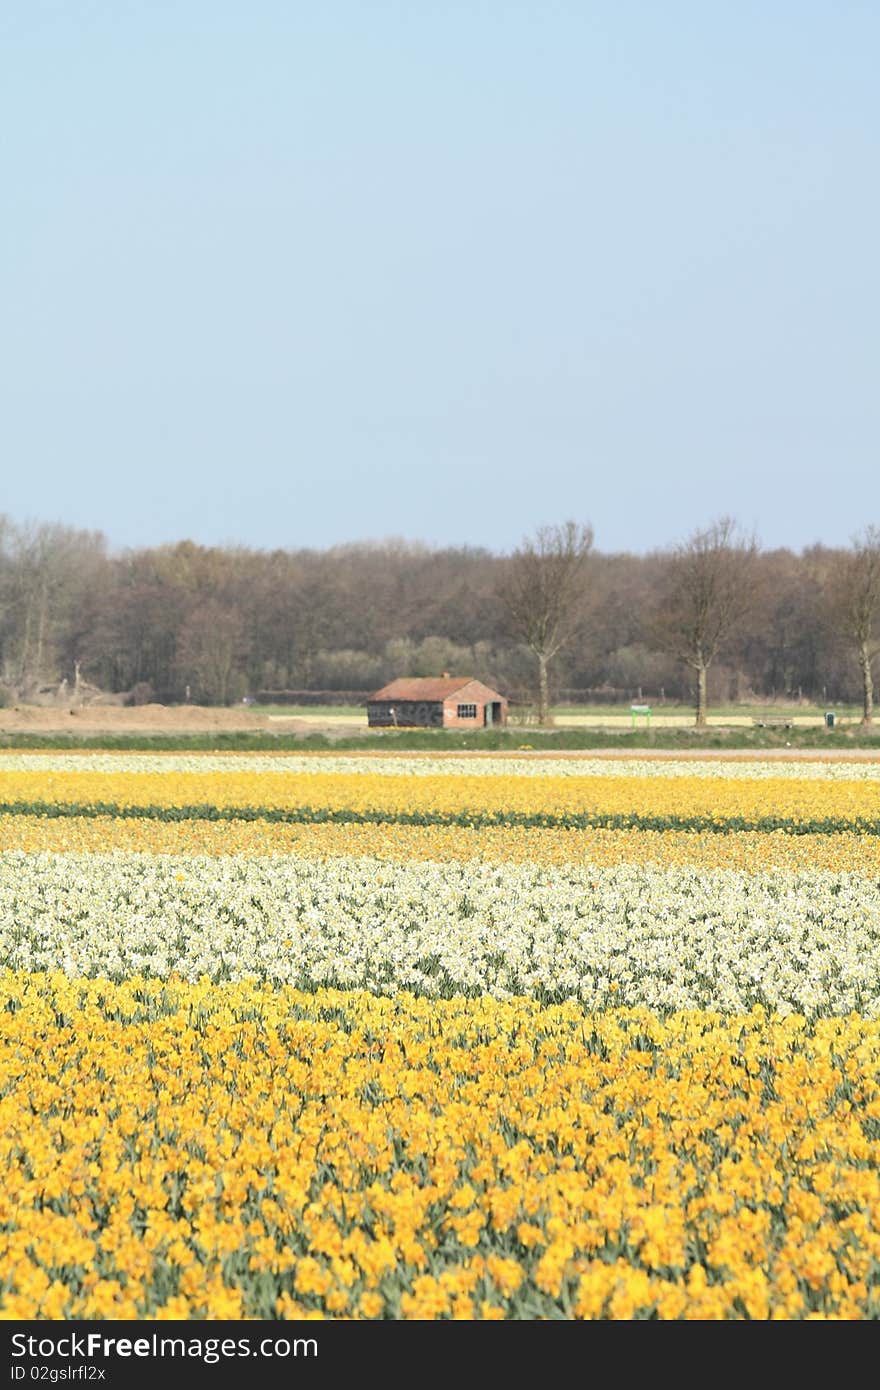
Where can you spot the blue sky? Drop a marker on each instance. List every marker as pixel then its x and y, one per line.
pixel 297 274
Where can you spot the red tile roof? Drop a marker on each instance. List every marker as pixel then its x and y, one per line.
pixel 423 688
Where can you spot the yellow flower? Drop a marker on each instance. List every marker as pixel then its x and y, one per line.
pixel 371 1304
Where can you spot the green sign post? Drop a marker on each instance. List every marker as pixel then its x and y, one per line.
pixel 641 709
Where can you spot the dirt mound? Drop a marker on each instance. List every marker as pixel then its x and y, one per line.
pixel 133 719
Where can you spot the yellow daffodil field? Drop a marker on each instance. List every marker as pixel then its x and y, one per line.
pixel 420 1037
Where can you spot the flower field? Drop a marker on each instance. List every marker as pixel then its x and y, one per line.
pixel 420 1037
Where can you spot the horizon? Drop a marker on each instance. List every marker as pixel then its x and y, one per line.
pixel 405 544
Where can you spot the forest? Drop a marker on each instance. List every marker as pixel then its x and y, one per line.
pixel 215 625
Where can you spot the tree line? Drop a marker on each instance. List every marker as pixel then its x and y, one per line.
pixel 714 618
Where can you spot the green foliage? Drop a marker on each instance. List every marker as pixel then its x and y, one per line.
pixel 473 820
pixel 452 740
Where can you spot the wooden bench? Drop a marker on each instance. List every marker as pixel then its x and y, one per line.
pixel 774 721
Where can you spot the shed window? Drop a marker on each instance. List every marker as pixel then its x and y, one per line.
pixel 467 711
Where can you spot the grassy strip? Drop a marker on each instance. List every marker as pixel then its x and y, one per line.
pixel 472 820
pixel 447 740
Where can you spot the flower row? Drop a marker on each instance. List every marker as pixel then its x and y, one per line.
pixel 638 934
pixel 799 807
pixel 492 843
pixel 448 765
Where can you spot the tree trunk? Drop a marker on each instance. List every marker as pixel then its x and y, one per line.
pixel 25 650
pixel 867 685
pixel 701 697
pixel 41 632
pixel 543 691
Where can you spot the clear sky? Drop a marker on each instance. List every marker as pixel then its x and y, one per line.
pixel 302 272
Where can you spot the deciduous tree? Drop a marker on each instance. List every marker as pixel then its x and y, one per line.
pixel 855 598
pixel 543 587
pixel 706 592
pixel 210 653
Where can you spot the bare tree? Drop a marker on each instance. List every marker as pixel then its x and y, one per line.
pixel 53 569
pixel 317 618
pixel 707 591
pixel 855 599
pixel 542 587
pixel 210 652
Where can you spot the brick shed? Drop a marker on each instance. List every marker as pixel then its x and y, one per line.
pixel 436 702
